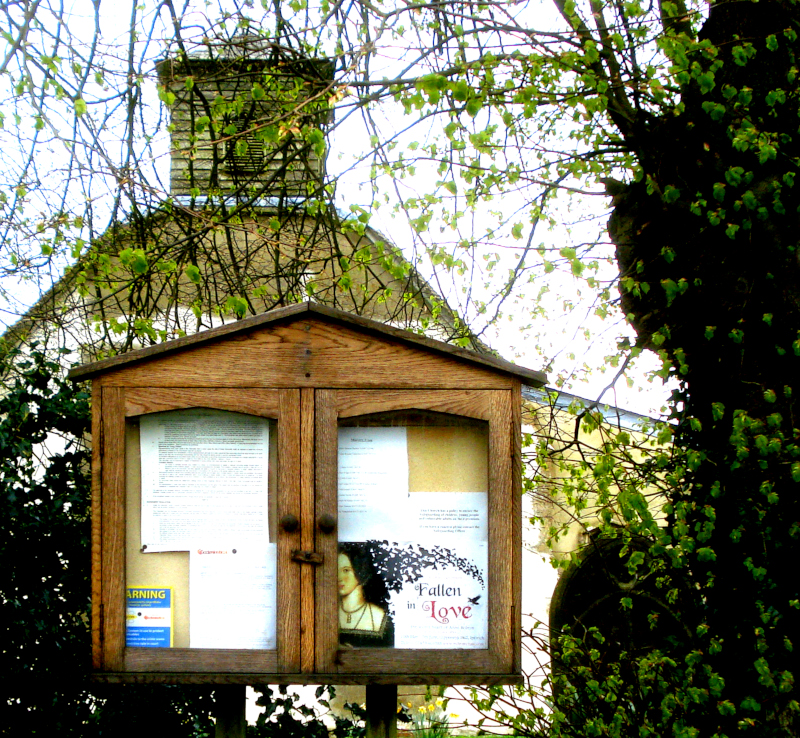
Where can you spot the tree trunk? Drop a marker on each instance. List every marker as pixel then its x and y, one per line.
pixel 707 245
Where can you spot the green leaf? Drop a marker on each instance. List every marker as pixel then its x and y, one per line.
pixel 166 95
pixel 706 554
pixel 766 151
pixel 706 82
pixel 775 97
pixel 750 704
pixel 715 110
pixel 474 106
pixel 236 305
pixel 743 53
pixel 192 272
pixel 460 90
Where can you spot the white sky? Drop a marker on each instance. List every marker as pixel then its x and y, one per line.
pixel 570 335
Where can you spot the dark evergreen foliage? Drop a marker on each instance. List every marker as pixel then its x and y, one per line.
pixel 44 584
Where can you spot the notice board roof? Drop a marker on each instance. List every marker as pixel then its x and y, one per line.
pixel 307 311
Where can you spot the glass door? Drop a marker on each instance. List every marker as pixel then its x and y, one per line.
pixel 419 576
pixel 205 561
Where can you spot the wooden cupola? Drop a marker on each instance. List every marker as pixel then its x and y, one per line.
pixel 248 118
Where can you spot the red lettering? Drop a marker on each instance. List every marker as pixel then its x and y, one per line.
pixel 443 614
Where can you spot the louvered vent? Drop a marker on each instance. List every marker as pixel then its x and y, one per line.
pixel 245 151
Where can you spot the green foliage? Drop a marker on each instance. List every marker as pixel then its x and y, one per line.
pixel 285 717
pixel 44 583
pixel 727 528
pixel 695 110
pixel 44 564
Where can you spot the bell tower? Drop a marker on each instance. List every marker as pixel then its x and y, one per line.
pixel 248 121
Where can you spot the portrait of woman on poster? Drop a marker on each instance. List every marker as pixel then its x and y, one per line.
pixel 363 599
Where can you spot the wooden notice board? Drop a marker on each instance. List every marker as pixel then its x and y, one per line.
pixel 306 496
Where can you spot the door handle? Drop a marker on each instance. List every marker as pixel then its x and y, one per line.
pixel 307 557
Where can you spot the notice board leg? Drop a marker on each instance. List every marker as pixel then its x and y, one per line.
pixel 229 704
pixel 381 711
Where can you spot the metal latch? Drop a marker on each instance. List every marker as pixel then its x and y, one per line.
pixel 307 557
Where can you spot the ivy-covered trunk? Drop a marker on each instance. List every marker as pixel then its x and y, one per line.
pixel 707 243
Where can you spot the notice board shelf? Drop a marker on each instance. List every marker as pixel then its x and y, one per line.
pixel 207 660
pixel 251 678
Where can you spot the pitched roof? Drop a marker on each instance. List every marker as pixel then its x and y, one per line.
pixel 302 311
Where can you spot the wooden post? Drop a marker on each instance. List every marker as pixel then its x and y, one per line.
pixel 229 703
pixel 381 711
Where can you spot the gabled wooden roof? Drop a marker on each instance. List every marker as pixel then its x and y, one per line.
pixel 304 311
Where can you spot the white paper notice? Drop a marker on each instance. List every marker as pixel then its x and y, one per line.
pixel 204 477
pixel 462 514
pixel 373 482
pixel 447 607
pixel 232 598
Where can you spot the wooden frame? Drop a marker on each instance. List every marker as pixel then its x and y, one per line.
pixel 306 368
pixel 118 405
pixel 493 406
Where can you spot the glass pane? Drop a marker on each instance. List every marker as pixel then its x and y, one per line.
pixel 200 530
pixel 413 520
